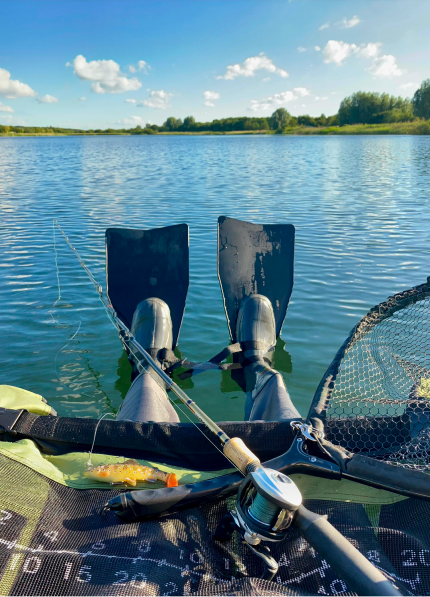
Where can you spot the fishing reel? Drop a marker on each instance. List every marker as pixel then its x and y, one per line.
pixel 265 507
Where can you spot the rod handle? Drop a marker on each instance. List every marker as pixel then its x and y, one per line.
pixel 236 451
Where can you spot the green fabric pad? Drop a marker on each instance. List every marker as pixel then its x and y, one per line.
pixel 17 398
pixel 68 469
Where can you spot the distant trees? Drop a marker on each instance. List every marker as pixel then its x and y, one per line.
pixel 172 123
pixel 421 100
pixel 240 123
pixel 374 108
pixel 306 120
pixel 280 119
pixel 189 122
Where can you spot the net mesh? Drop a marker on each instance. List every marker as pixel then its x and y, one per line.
pixel 54 542
pixel 375 397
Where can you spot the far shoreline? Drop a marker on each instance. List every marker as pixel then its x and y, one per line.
pixel 417 127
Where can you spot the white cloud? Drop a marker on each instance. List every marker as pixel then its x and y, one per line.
pixel 325 26
pixel 317 49
pixel 410 86
pixel 301 91
pixel 369 51
pixel 130 101
pixel 4 108
pixel 132 121
pixel 105 74
pixel 141 65
pixel 301 49
pixel 266 79
pixel 82 99
pixel 320 99
pixel 13 89
pixel 250 66
pixel 338 51
pixel 347 24
pixel 158 99
pixel 279 99
pixel 385 66
pixel 47 99
pixel 210 97
pixel 334 93
pixel 382 66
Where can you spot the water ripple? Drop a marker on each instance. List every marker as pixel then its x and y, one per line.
pixel 360 206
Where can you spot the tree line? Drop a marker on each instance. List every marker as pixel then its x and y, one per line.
pixel 376 108
pixel 359 108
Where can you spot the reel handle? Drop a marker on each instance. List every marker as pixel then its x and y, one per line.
pixel 241 456
pixel 361 576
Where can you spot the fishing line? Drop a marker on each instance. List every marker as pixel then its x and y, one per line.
pixel 61 323
pixel 90 453
pixel 56 321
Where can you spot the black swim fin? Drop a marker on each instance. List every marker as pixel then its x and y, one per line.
pixel 141 264
pixel 255 259
pixel 252 259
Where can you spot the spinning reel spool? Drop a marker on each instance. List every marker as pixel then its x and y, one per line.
pixel 265 507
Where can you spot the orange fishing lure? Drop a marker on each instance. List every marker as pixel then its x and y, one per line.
pixel 129 472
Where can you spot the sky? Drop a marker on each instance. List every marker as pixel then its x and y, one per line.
pixel 114 64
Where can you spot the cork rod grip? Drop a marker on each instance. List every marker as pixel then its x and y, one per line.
pixel 239 454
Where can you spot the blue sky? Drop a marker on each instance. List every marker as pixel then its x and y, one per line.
pixel 112 64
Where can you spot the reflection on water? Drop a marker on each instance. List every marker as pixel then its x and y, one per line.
pixel 361 210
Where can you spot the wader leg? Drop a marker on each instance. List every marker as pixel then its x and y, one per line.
pixel 267 397
pixel 270 401
pixel 147 401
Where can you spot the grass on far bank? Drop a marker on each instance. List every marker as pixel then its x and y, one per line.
pixel 417 127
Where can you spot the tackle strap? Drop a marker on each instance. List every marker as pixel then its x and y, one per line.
pixel 165 356
pixel 179 444
pixel 216 361
pixel 171 361
pixel 9 419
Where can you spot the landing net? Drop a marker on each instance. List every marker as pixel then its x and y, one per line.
pixel 375 396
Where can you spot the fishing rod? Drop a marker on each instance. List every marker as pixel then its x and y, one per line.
pixel 268 502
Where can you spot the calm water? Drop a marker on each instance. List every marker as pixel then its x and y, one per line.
pixel 361 210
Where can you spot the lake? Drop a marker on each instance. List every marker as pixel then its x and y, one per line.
pixel 361 210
